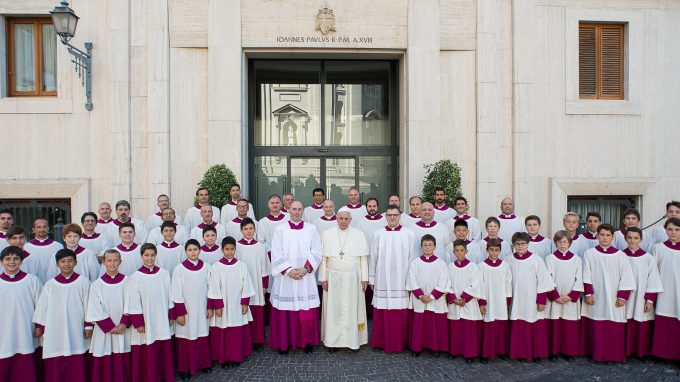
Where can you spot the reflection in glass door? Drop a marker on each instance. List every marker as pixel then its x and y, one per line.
pixel 328 124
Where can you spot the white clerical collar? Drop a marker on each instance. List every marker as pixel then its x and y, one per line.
pixel 12 276
pixel 193 262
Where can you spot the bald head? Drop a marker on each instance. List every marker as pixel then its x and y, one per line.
pixel 328 207
pixel 427 212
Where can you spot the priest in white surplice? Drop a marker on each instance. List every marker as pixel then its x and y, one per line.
pixel 296 253
pixel 391 254
pixel 343 274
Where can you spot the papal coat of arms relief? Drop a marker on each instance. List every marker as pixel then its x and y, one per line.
pixel 325 21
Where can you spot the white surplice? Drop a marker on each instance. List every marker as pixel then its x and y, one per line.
pixel 140 230
pixel 620 241
pixel 229 212
pixel 566 273
pixel 150 294
pixel 506 249
pixel 428 275
pixel 438 230
pixel 541 246
pixel 193 216
pixel 197 232
pixel 510 224
pixel 169 255
pixel 667 257
pixel 293 246
pixel 86 265
pixel 43 252
pixel 254 256
pixel 497 283
pixel 211 255
pixel 266 227
pixel 474 228
pixel 106 300
pixel 647 280
pixel 369 225
pixel 155 221
pixel 391 254
pixel 443 214
pixel 466 282
pixel 608 273
pixel 529 278
pixel 357 211
pixel 131 259
pixel 96 243
pixel 155 236
pixel 323 223
pixel 474 253
pixel 312 212
pixel 190 288
pixel 20 294
pixel 344 266
pixel 231 283
pixel 61 310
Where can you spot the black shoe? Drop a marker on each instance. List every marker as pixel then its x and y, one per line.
pixel 469 360
pixel 236 364
pixel 568 358
pixel 309 348
pixel 225 364
pixel 332 350
pixel 258 347
pixel 283 352
pixel 451 356
pixel 553 358
pixel 484 360
pixel 502 357
pixel 436 354
pixel 184 375
pixel 207 370
pixel 522 360
pixel 415 354
pixel 537 360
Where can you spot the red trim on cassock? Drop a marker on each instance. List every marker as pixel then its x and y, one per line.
pixel 588 288
pixel 651 297
pixel 106 325
pixel 418 293
pixel 171 314
pixel 245 301
pixel 180 309
pixel 466 297
pixel 482 302
pixel 574 295
pixel 553 295
pixel 623 294
pixel 436 294
pixel 137 320
pixel 309 265
pixel 541 298
pixel 125 320
pixel 450 298
pixel 265 282
pixel 215 303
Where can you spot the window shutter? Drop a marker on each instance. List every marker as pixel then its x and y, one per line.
pixel 587 61
pixel 611 66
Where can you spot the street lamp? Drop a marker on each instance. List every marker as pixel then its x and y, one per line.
pixel 65 22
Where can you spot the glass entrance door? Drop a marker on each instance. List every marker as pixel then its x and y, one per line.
pixel 328 124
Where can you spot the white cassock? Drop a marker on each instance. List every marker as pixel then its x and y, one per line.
pixel 43 252
pixel 293 246
pixel 438 230
pixel 370 224
pixel 506 250
pixel 86 265
pixel 344 266
pixel 497 283
pixel 530 285
pixel 565 270
pixel 312 212
pixel 20 294
pixel 620 241
pixel 509 225
pixel 579 245
pixel 474 230
pixel 466 283
pixel 443 214
pixel 266 227
pixel 193 216
pixel 61 310
pixel 233 228
pixel 604 275
pixel 131 259
pixel 30 264
pixel 591 239
pixel 211 255
pixel 197 232
pixel 408 220
pixel 541 246
pixel 229 212
pixel 155 236
pixel 97 243
pixel 149 303
pixel 169 256
pixel 140 230
pixel 105 307
pixel 667 321
pixel 254 255
pixel 230 282
pixel 190 297
pixel 391 254
pixel 155 221
pixel 647 282
pixel 323 223
pixel 428 276
pixel 357 211
pixel 474 253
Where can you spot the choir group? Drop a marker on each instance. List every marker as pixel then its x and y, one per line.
pixel 123 299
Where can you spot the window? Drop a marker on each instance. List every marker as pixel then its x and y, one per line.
pixel 32 53
pixel 601 53
pixel 57 212
pixel 610 207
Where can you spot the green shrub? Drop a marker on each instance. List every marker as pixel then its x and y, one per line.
pixel 217 179
pixel 444 174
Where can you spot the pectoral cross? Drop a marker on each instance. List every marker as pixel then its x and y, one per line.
pixel 341 254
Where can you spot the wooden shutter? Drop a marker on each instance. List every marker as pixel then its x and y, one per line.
pixel 587 62
pixel 601 61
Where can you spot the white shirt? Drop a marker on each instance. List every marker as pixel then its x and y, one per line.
pixel 391 254
pixel 20 294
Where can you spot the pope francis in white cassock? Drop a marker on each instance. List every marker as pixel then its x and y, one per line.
pixel 343 274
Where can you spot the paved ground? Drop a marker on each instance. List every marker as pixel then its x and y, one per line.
pixel 370 365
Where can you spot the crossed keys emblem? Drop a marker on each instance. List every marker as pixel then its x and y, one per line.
pixel 325 21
